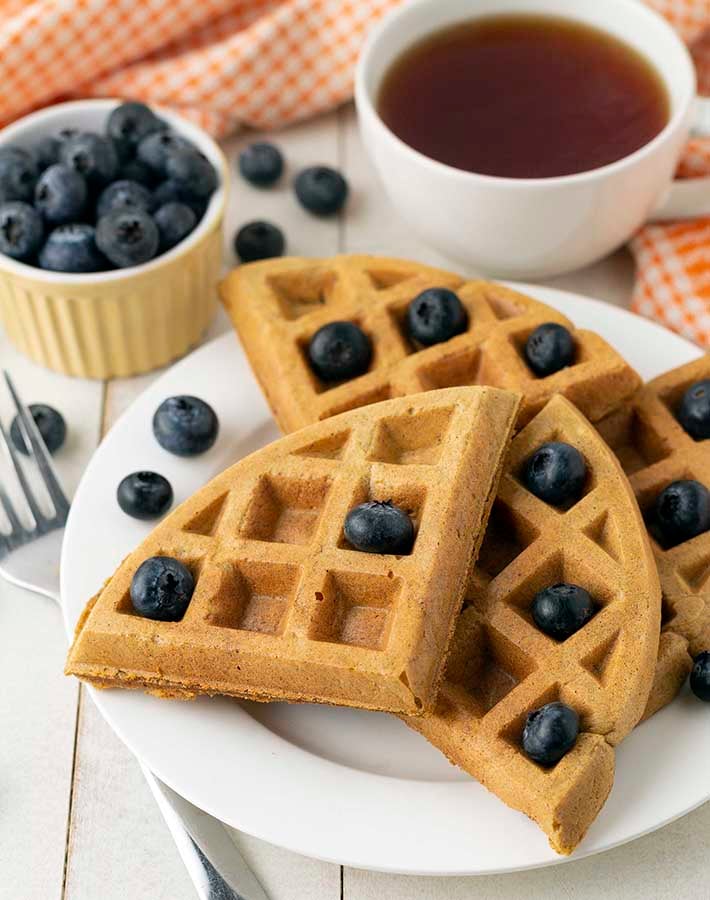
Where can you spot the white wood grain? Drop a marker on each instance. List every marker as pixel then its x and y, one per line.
pixel 37 703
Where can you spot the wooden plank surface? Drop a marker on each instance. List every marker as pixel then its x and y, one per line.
pixel 71 792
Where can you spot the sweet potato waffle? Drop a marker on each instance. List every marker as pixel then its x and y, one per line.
pixel 501 666
pixel 654 450
pixel 283 608
pixel 277 305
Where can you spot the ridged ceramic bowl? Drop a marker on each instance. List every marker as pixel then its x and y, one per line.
pixel 125 321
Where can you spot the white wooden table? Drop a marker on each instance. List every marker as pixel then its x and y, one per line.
pixel 76 819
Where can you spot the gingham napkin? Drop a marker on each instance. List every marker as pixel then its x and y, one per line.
pixel 269 62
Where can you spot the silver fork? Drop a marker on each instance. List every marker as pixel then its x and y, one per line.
pixel 29 557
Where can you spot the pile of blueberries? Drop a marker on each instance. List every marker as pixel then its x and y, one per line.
pixel 87 202
pixel 320 190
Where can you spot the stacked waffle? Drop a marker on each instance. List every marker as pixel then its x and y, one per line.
pixel 447 633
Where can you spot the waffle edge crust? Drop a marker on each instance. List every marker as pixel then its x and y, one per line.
pixel 501 666
pixel 277 305
pixel 283 609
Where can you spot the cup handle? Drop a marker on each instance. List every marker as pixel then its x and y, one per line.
pixel 688 198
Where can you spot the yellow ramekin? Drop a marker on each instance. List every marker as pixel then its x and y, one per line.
pixel 126 321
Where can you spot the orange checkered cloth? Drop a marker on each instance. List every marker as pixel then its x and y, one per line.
pixel 266 63
pixel 220 63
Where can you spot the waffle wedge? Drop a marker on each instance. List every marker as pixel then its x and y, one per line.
pixel 501 666
pixel 277 305
pixel 654 450
pixel 282 608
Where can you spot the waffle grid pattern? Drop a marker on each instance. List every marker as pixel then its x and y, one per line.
pixel 654 450
pixel 502 666
pixel 282 606
pixel 278 305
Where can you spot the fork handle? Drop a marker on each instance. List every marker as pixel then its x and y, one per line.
pixel 35 566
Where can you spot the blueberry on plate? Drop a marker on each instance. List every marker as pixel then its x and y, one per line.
pixel 700 676
pixel 18 174
pixel 185 425
pixel 562 609
pixel 555 473
pixel 694 410
pixel 434 316
pixel 61 194
pixel 92 155
pixel 680 512
pixel 191 171
pixel 321 190
pixel 175 221
pixel 72 248
pixel 261 163
pixel 379 527
pixel 549 348
pixel 127 237
pixel 153 150
pixel 50 424
pixel 46 152
pixel 161 589
pixel 120 194
pixel 339 351
pixel 550 732
pixel 135 170
pixel 21 230
pixel 144 495
pixel 129 123
pixel 258 240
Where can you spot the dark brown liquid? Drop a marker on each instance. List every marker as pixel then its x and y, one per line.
pixel 523 97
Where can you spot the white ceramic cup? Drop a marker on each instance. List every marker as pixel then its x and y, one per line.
pixel 533 227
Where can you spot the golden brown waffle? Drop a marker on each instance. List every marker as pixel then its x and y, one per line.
pixel 654 450
pixel 283 608
pixel 501 666
pixel 277 305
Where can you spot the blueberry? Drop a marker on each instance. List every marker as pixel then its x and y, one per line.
pixel 185 425
pixel 153 150
pixel 339 351
pixel 60 194
pixel 321 190
pixel 135 170
pixel 72 248
pixel 258 240
pixel 144 495
pixel 680 512
pixel 550 732
pixel 21 230
pixel 120 194
pixel 18 174
pixel 700 676
pixel 549 348
pixel 555 473
pixel 191 171
pixel 379 527
pixel 50 424
pixel 46 152
pixel 127 237
pixel 261 164
pixel 434 316
pixel 161 589
pixel 175 221
pixel 92 155
pixel 129 123
pixel 170 192
pixel 694 410
pixel 562 609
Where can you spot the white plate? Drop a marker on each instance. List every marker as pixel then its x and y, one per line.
pixel 349 786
